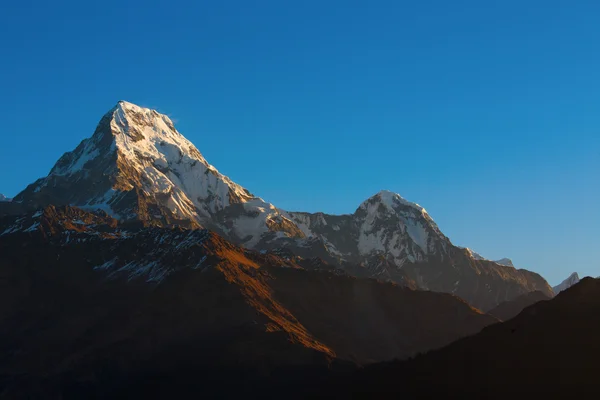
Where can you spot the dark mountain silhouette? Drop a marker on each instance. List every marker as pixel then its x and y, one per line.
pixel 92 307
pixel 512 308
pixel 567 283
pixel 550 350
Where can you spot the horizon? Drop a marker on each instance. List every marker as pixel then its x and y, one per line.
pixel 499 143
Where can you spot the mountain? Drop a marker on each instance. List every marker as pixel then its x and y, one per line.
pixel 91 306
pixel 137 167
pixel 505 261
pixel 474 255
pixel 512 308
pixel 567 283
pixel 554 341
pixel 4 198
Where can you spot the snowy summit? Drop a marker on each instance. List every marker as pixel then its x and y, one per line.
pixel 137 167
pixel 567 283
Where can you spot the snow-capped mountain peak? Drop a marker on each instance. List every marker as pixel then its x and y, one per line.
pixel 136 149
pixel 391 200
pixel 567 283
pixel 389 224
pixel 4 198
pixel 169 160
pixel 138 168
pixel 505 261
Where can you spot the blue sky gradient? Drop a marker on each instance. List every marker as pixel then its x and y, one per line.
pixel 485 114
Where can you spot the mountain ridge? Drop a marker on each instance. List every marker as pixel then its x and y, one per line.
pixel 567 283
pixel 137 166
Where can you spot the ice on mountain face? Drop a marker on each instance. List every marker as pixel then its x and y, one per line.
pixel 567 283
pixel 101 203
pixel 75 165
pixel 258 218
pixel 417 233
pixel 4 198
pixel 303 223
pixel 394 226
pixel 170 163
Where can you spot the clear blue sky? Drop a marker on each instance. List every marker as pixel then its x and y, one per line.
pixel 487 115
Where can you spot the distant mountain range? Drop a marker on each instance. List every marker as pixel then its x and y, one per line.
pixel 4 198
pixel 137 167
pixel 136 270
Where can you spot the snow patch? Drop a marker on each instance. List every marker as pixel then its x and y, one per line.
pixel 32 228
pixel 106 265
pixel 417 233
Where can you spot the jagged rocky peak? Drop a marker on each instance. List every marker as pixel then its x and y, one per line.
pixel 391 201
pixel 387 202
pixel 567 283
pixel 400 228
pixel 505 261
pixel 137 165
pixel 121 131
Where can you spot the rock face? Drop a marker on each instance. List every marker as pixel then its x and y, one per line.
pixel 137 167
pixel 89 304
pixel 550 341
pixel 510 309
pixel 567 283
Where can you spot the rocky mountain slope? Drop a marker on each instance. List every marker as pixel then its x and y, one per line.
pixel 512 308
pixel 136 166
pixel 90 305
pixel 567 283
pixel 550 350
